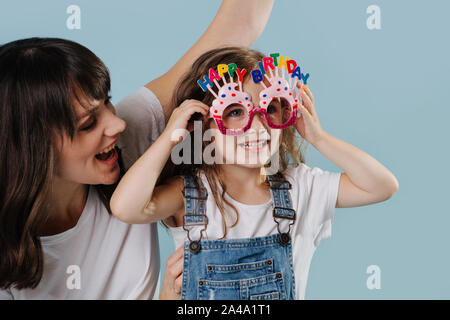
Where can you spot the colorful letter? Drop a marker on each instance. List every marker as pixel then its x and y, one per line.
pixel 297 73
pixel 222 68
pixel 257 76
pixel 204 84
pixel 213 75
pixel 231 69
pixel 305 78
pixel 275 58
pixel 261 67
pixel 291 65
pixel 241 74
pixel 268 62
pixel 282 62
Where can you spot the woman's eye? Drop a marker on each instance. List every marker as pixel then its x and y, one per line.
pixel 89 124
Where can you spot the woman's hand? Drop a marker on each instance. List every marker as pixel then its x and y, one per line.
pixel 308 124
pixel 173 277
pixel 179 119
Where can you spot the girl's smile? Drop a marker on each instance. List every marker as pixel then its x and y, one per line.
pixel 254 146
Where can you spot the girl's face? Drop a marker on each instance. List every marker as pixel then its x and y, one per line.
pixel 256 146
pixel 90 157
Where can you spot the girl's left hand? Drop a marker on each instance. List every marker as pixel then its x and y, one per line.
pixel 308 124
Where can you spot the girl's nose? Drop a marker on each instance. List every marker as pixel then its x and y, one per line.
pixel 258 121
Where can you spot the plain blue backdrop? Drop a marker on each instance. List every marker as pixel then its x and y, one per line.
pixel 385 91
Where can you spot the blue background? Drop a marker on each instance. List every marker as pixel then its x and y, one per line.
pixel 385 91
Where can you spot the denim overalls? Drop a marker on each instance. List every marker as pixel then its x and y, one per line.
pixel 238 269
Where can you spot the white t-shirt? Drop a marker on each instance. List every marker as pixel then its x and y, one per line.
pixel 314 194
pixel 102 257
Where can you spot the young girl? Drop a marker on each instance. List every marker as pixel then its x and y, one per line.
pixel 251 219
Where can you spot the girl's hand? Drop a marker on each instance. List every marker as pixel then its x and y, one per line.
pixel 308 124
pixel 173 277
pixel 179 119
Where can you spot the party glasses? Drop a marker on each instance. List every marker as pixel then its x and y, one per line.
pixel 232 107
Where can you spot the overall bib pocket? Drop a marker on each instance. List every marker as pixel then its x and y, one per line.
pixel 239 271
pixel 265 287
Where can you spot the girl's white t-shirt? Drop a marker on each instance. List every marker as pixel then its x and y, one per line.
pixel 313 194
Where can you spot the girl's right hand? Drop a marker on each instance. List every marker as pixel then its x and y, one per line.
pixel 179 119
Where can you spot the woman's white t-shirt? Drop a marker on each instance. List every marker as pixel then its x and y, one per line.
pixel 102 257
pixel 314 194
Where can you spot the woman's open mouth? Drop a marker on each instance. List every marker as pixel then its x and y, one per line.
pixel 108 156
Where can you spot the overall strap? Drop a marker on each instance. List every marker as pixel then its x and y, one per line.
pixel 195 196
pixel 194 201
pixel 279 189
pixel 282 204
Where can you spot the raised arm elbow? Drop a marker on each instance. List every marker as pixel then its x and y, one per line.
pixel 122 210
pixel 117 209
pixel 390 187
pixel 393 187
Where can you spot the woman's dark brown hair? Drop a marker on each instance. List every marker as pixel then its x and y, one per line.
pixel 40 78
pixel 290 153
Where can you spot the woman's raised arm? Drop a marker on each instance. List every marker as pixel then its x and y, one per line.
pixel 237 23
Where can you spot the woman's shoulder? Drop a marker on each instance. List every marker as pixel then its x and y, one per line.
pixel 142 99
pixel 143 113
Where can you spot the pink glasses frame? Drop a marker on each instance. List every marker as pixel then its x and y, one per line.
pixel 278 88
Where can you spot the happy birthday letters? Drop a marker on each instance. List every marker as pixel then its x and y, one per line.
pixel 274 60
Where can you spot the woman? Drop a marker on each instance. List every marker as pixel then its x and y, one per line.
pixel 60 163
